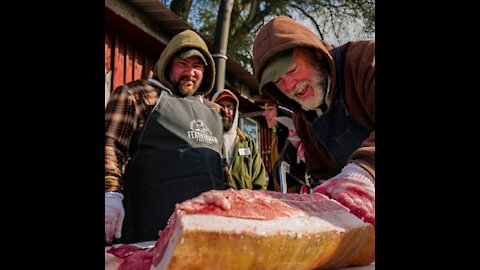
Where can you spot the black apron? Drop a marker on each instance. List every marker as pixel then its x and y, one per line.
pixel 339 133
pixel 178 157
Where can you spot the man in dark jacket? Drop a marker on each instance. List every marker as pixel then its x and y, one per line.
pixel 162 142
pixel 244 163
pixel 332 93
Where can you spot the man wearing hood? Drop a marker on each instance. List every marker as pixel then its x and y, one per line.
pixel 332 93
pixel 245 165
pixel 162 142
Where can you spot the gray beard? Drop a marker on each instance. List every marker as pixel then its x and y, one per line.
pixel 313 104
pixel 320 88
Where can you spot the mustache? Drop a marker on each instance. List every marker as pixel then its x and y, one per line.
pixel 224 115
pixel 188 78
pixel 301 85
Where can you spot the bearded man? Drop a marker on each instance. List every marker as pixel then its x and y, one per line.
pixel 332 93
pixel 163 142
pixel 243 162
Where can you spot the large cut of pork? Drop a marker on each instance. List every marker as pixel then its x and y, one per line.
pixel 246 229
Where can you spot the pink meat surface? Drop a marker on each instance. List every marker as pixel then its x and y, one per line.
pixel 129 257
pixel 247 204
pixel 261 205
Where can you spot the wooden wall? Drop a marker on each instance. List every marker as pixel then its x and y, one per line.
pixel 126 61
pixel 266 141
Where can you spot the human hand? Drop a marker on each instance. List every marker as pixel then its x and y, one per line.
pixel 114 214
pixel 354 188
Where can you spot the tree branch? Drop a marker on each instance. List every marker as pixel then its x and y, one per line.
pixel 304 12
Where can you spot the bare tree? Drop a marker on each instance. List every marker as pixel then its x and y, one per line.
pixel 336 20
pixel 181 7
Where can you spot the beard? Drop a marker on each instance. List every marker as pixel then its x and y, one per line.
pixel 186 90
pixel 227 123
pixel 319 85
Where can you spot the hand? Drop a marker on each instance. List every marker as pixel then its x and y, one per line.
pixel 114 214
pixel 354 188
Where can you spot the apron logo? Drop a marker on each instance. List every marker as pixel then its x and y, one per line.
pixel 200 132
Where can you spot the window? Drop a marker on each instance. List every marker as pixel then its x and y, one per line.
pixel 250 126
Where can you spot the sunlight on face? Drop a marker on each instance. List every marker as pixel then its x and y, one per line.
pixel 187 74
pixel 317 84
pixel 306 80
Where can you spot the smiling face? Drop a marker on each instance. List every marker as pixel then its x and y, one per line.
pixel 305 81
pixel 186 74
pixel 270 113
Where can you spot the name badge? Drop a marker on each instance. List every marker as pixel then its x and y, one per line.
pixel 244 151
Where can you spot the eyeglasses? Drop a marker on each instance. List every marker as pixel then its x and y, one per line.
pixel 228 107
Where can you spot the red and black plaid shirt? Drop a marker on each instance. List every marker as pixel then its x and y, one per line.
pixel 125 114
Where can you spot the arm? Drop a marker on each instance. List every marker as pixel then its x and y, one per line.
pixel 259 172
pixel 354 188
pixel 361 64
pixel 226 175
pixel 365 154
pixel 119 126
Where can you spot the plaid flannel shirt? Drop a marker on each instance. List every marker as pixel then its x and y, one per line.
pixel 125 114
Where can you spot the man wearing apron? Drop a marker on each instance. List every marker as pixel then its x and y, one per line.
pixel 332 93
pixel 162 142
